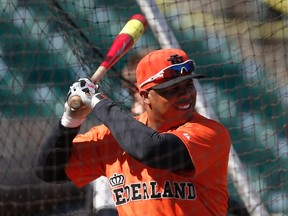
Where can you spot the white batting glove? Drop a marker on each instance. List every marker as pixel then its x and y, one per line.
pixel 86 90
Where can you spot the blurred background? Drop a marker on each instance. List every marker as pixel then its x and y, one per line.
pixel 46 45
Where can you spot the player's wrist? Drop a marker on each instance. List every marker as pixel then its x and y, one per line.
pixel 70 122
pixel 72 119
pixel 97 98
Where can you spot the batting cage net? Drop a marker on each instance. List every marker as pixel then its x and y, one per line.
pixel 239 45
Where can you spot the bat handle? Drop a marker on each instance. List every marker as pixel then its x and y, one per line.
pixel 99 73
pixel 75 101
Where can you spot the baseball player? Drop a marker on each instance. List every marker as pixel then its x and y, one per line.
pixel 170 160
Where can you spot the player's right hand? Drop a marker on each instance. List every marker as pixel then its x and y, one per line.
pixel 85 89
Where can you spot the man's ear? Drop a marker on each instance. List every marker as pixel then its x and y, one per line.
pixel 144 96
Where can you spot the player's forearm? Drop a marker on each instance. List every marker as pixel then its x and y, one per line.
pixel 54 154
pixel 164 151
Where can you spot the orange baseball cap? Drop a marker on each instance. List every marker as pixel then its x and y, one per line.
pixel 163 68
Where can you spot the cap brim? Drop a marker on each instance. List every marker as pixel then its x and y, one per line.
pixel 177 80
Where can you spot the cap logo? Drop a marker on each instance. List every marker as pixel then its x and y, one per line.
pixel 175 59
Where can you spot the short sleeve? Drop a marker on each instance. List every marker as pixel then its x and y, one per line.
pixel 207 142
pixel 89 155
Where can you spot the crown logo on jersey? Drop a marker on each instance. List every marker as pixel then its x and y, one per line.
pixel 117 179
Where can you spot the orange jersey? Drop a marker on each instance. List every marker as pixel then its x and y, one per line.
pixel 140 190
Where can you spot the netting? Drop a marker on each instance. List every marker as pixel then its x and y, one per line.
pixel 47 45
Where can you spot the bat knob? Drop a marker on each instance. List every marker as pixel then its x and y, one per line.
pixel 75 102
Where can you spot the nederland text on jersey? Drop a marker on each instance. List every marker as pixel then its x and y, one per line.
pixel 149 190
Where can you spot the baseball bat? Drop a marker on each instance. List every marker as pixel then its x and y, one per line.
pixel 127 37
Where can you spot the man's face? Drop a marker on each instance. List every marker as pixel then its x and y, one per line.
pixel 175 103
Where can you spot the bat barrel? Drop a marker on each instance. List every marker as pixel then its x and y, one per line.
pixel 135 27
pixel 127 37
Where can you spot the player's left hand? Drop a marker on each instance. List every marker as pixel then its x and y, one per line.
pixel 86 90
